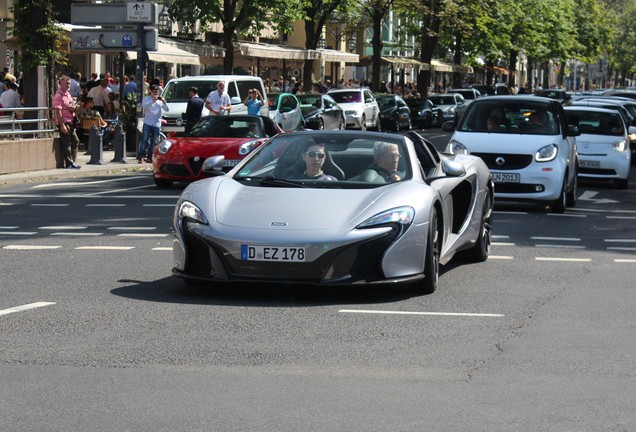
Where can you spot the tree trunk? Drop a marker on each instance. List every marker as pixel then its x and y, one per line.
pixel 512 67
pixel 376 43
pixel 228 44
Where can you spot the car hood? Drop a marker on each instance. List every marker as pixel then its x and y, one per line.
pixel 484 142
pixel 358 106
pixel 250 207
pixel 206 147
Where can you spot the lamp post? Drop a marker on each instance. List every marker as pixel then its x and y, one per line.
pixel 164 25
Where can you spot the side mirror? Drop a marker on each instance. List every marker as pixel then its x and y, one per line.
pixel 631 130
pixel 573 131
pixel 235 100
pixel 448 126
pixel 453 168
pixel 213 166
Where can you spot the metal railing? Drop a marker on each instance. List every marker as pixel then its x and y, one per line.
pixel 11 123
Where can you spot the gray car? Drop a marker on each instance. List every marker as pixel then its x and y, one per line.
pixel 266 221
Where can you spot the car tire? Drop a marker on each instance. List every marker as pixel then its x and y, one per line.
pixel 481 250
pixel 363 123
pixel 321 124
pixel 570 200
pixel 343 124
pixel 378 124
pixel 409 125
pixel 431 259
pixel 622 183
pixel 162 183
pixel 396 124
pixel 558 205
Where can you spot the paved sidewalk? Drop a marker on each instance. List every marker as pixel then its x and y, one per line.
pixel 107 167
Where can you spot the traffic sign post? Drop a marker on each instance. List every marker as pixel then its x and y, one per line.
pixel 137 14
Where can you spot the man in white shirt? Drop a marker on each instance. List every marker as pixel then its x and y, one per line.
pixel 10 97
pixel 218 102
pixel 99 95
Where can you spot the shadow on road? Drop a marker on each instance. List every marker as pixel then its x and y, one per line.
pixel 174 290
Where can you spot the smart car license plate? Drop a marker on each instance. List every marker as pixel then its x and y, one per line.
pixel 506 178
pixel 272 253
pixel 230 162
pixel 589 164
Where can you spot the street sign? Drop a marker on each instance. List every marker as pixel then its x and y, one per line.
pixel 119 14
pixel 112 40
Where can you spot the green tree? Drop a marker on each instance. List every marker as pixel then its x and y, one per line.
pixel 40 38
pixel 244 17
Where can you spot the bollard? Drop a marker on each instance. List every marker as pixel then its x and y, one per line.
pixel 95 148
pixel 119 145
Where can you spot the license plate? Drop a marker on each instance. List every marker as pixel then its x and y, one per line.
pixel 272 253
pixel 230 162
pixel 589 164
pixel 506 178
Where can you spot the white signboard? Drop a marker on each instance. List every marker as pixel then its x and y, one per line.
pixel 139 12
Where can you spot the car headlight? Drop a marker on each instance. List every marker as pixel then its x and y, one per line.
pixel 455 147
pixel 164 146
pixel 401 215
pixel 421 112
pixel 632 137
pixel 247 147
pixel 189 211
pixel 620 145
pixel 547 153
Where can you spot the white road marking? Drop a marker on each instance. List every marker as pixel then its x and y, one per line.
pixel 162 249
pixel 105 205
pixel 85 234
pixel 621 217
pixel 17 233
pixel 620 240
pixel 556 238
pixel 50 205
pixel 558 246
pixel 80 183
pixel 385 312
pixel 500 237
pixel 8 227
pixel 566 215
pixel 25 307
pixel 158 205
pixel 618 248
pixel 29 247
pixel 120 190
pixel 502 244
pixel 132 228
pixel 104 248
pixel 6 204
pixel 622 260
pixel 500 257
pixel 62 227
pixel 578 209
pixel 563 259
pixel 141 235
pixel 510 212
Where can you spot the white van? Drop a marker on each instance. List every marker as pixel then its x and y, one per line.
pixel 237 86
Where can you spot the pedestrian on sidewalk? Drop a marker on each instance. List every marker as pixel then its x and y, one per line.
pixel 65 118
pixel 152 105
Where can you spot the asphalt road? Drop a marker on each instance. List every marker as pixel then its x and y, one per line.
pixel 95 333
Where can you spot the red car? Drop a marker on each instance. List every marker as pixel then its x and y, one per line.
pixel 180 156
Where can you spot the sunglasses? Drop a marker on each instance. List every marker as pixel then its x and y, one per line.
pixel 312 154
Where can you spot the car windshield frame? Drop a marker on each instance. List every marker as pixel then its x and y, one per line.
pixel 227 127
pixel 281 158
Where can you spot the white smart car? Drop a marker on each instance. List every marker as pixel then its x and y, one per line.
pixel 528 145
pixel 603 145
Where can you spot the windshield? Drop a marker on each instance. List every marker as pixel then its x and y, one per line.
pixel 228 127
pixel 516 117
pixel 327 159
pixel 386 102
pixel 596 123
pixel 309 103
pixel 418 103
pixel 442 100
pixel 177 91
pixel 347 97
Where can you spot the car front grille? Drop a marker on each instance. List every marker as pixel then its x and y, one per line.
pixel 196 165
pixel 598 171
pixel 520 188
pixel 498 161
pixel 349 264
pixel 175 170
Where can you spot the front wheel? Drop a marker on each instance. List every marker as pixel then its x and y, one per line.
pixel 343 124
pixel 363 123
pixel 481 250
pixel 570 199
pixel 431 259
pixel 558 206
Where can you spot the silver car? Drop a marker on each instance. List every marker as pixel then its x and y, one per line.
pixel 360 106
pixel 381 209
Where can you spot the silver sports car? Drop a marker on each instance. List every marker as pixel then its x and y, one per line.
pixel 334 208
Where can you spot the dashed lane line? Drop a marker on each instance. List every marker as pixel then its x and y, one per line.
pixel 450 314
pixel 25 307
pixel 30 247
pixel 563 259
pixel 115 248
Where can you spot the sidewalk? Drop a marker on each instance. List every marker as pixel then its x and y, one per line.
pixel 107 167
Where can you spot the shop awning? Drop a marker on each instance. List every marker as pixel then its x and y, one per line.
pixel 337 56
pixel 405 62
pixel 263 50
pixel 168 54
pixel 439 66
